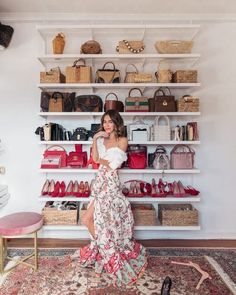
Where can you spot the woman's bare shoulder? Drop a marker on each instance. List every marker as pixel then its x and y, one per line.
pixel 123 143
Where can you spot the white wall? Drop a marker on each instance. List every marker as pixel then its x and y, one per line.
pixel 19 75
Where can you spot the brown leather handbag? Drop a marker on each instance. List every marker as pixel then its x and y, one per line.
pixel 113 104
pixel 88 103
pixel 162 102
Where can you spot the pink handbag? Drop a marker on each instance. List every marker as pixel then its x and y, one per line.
pixel 182 157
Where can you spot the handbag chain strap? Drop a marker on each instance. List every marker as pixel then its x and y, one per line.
pixel 131 49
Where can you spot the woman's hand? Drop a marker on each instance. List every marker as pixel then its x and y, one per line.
pixel 100 134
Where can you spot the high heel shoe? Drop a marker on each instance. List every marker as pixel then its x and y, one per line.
pixel 148 188
pixel 166 286
pixel 51 187
pixel 62 190
pixel 76 189
pixel 86 189
pixel 45 188
pixel 81 189
pixel 191 190
pixel 56 191
pixel 69 189
pixel 161 186
pixel 182 192
pixel 154 190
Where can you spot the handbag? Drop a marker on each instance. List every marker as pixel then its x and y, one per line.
pixel 161 132
pixel 136 77
pixel 137 156
pixel 130 46
pixel 56 102
pixel 136 103
pixel 56 151
pixel 151 156
pixel 51 162
pixel 113 104
pixel 79 73
pixel 88 103
pixel 80 133
pixel 94 129
pixel 163 102
pixel 91 161
pixel 52 76
pixel 182 157
pixel 91 47
pixel 77 159
pixel 6 33
pixel 108 75
pixel 161 160
pixel 68 101
pixel 138 124
pixel 163 75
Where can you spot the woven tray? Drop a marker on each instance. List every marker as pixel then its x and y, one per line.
pixel 177 214
pixel 182 76
pixel 54 216
pixel 144 214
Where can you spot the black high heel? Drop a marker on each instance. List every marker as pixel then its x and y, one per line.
pixel 166 286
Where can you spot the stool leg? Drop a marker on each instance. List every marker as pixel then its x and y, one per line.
pixel 1 254
pixel 35 251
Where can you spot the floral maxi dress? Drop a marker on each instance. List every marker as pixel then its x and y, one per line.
pixel 113 250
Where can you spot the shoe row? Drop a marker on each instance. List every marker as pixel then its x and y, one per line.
pixel 139 188
pixel 59 189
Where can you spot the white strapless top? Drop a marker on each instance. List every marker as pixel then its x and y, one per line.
pixel 114 155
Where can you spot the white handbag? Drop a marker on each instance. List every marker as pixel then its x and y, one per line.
pixel 137 125
pixel 161 132
pixel 161 162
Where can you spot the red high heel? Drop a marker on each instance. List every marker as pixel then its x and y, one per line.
pixel 62 191
pixel 161 185
pixel 191 190
pixel 81 189
pixel 86 189
pixel 148 188
pixel 51 187
pixel 56 191
pixel 69 189
pixel 45 188
pixel 171 188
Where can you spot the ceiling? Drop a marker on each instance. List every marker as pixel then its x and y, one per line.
pixel 119 6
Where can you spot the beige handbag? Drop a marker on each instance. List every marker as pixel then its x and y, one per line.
pixel 58 43
pixel 163 75
pixel 161 132
pixel 105 75
pixel 125 47
pixel 52 76
pixel 136 77
pixel 174 46
pixel 79 73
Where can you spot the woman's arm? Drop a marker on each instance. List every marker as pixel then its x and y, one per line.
pixel 95 154
pixel 123 143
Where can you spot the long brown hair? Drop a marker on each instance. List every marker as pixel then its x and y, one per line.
pixel 117 120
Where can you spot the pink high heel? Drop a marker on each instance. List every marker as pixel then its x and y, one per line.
pixel 45 188
pixel 69 189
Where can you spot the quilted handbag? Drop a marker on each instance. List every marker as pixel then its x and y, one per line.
pixel 161 132
pixel 113 104
pixel 182 157
pixel 162 102
pixel 136 103
pixel 56 151
pixel 105 75
pixel 88 103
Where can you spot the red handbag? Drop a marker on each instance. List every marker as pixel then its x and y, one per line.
pixel 56 151
pixel 137 160
pixel 77 159
pixel 91 161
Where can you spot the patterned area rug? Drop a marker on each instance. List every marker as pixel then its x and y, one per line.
pixel 57 274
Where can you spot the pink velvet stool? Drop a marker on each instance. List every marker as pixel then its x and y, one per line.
pixel 14 226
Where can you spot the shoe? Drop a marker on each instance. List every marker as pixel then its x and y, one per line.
pixel 69 189
pixel 56 191
pixel 176 189
pixel 86 189
pixel 51 187
pixel 142 187
pixel 191 190
pixel 62 190
pixel 125 191
pixel 171 188
pixel 154 190
pixel 161 185
pixel 148 188
pixel 75 189
pixel 166 286
pixel 45 188
pixel 182 192
pixel 81 189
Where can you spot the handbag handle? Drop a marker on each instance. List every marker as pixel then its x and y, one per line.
pixel 77 61
pixel 160 148
pixel 184 146
pixel 109 62
pixel 53 146
pixel 136 72
pixel 50 72
pixel 158 117
pixel 131 49
pixel 158 91
pixel 112 94
pixel 55 94
pixel 141 94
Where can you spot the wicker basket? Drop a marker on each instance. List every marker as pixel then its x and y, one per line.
pixel 55 216
pixel 182 76
pixel 188 103
pixel 177 214
pixel 174 46
pixel 126 47
pixel 53 76
pixel 144 214
pixel 79 73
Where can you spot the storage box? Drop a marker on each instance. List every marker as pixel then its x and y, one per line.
pixel 144 214
pixel 181 76
pixel 51 215
pixel 177 214
pixel 188 103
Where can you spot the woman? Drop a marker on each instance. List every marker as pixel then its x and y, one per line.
pixel 109 217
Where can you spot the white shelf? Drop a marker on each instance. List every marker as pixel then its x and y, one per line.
pixel 124 171
pixel 48 86
pixel 64 142
pixel 136 228
pixel 124 114
pixel 132 200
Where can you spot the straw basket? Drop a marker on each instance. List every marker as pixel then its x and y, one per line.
pixel 177 214
pixel 55 216
pixel 182 76
pixel 188 103
pixel 144 214
pixel 174 46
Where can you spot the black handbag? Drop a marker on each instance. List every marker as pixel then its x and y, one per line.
pixel 88 103
pixel 6 33
pixel 68 100
pixel 57 132
pixel 80 134
pixel 94 129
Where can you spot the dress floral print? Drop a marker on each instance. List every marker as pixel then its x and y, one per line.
pixel 113 250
